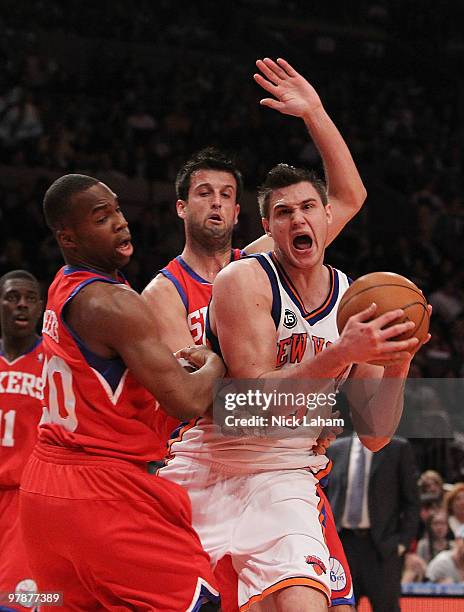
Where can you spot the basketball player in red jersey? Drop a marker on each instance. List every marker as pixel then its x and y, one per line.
pixel 97 526
pixel 208 189
pixel 21 362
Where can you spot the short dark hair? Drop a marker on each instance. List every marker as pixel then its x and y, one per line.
pixel 210 158
pixel 284 175
pixel 18 274
pixel 57 200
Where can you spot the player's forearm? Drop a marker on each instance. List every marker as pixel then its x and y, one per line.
pixel 198 391
pixel 326 365
pixel 377 419
pixel 343 180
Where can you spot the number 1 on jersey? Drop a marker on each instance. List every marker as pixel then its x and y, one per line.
pixel 7 429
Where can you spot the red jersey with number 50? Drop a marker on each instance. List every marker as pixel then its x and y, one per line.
pixel 92 404
pixel 20 411
pixel 194 291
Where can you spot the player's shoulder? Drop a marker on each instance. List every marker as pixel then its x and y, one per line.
pixel 161 293
pixel 159 285
pixel 101 298
pixel 245 272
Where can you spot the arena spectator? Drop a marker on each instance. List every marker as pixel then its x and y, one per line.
pixel 448 566
pixel 436 538
pixel 454 504
pixel 431 483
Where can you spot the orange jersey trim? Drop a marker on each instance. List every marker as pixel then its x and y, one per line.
pixel 294 292
pixel 182 431
pixel 283 584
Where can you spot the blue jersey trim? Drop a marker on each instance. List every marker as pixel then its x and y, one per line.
pixel 191 272
pixel 204 596
pixel 293 294
pixel 165 272
pixel 196 276
pixel 347 601
pixel 34 346
pixel 72 269
pixel 112 370
pixel 211 337
pixel 276 299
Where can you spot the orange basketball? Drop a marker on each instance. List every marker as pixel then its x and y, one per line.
pixel 389 291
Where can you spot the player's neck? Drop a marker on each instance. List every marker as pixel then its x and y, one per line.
pixel 15 347
pixel 206 262
pixel 312 284
pixel 77 262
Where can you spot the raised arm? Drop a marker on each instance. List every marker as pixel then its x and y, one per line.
pixel 168 312
pixel 293 95
pixel 122 325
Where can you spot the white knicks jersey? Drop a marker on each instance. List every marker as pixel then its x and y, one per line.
pixel 300 335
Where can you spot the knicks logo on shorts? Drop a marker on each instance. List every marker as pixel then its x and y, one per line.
pixel 337 575
pixel 317 564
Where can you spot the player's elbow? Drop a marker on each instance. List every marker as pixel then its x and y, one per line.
pixel 374 444
pixel 358 198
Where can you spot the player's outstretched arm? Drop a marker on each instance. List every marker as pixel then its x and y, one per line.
pixel 168 312
pixel 122 325
pixel 294 95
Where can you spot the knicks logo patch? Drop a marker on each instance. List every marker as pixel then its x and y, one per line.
pixel 289 319
pixel 337 575
pixel 318 564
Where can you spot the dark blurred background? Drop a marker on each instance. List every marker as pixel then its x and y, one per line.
pixel 127 90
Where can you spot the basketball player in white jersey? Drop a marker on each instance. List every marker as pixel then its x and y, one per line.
pixel 257 499
pixel 208 187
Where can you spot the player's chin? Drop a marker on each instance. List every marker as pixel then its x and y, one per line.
pixel 302 258
pixel 121 259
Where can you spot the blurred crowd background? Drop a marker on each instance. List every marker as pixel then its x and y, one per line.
pixel 127 91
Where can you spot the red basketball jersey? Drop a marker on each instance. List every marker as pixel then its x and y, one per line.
pixel 20 411
pixel 92 403
pixel 194 291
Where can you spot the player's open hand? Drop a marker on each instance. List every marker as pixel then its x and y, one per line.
pixel 293 95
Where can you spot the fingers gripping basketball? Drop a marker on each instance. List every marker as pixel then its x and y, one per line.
pixel 390 292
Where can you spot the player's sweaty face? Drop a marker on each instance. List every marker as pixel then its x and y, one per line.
pixel 212 202
pixel 101 232
pixel 298 222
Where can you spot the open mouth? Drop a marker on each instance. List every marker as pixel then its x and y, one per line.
pixel 21 320
pixel 215 218
pixel 302 242
pixel 125 248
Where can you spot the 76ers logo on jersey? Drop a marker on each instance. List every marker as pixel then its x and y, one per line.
pixel 337 575
pixel 318 564
pixel 289 319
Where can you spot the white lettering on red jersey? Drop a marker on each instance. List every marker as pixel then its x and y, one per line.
pixel 194 291
pixel 91 403
pixel 21 403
